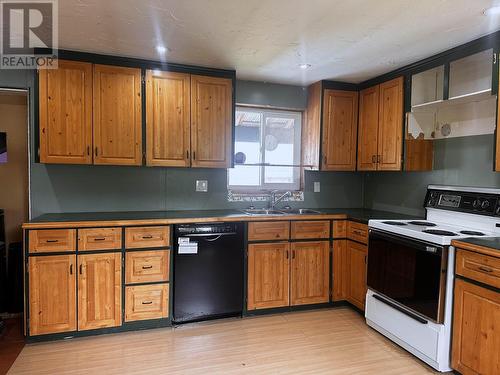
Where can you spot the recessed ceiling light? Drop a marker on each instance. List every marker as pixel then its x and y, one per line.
pixel 161 49
pixel 304 66
pixel 492 11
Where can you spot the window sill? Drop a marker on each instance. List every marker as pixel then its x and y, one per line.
pixel 260 196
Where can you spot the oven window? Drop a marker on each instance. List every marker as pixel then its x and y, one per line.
pixel 407 273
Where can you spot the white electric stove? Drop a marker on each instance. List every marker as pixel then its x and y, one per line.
pixel 411 268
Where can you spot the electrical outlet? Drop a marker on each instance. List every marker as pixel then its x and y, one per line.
pixel 202 186
pixel 317 187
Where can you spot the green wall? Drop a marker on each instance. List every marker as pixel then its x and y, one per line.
pixel 465 161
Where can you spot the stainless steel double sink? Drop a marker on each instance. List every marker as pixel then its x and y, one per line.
pixel 275 212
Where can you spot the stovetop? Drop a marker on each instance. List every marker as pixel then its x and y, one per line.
pixel 429 231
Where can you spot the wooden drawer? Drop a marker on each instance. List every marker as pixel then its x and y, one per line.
pixel 142 237
pixel 269 230
pixel 146 302
pixel 357 232
pixel 339 229
pixel 310 229
pixel 52 240
pixel 478 267
pixel 147 266
pixel 99 239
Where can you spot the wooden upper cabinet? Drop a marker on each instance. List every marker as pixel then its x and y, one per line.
pixel 52 294
pixel 65 110
pixel 311 128
pixel 340 122
pixel 117 115
pixel 211 121
pixel 310 281
pixel 268 273
pixel 380 132
pixel 99 291
pixel 368 129
pixel 390 125
pixel 168 119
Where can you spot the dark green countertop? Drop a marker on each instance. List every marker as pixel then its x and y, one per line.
pixel 489 242
pixel 357 214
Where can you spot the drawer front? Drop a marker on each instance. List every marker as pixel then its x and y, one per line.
pixel 357 232
pixel 144 302
pixel 310 229
pixel 339 229
pixel 478 267
pixel 99 239
pixel 52 240
pixel 143 237
pixel 269 230
pixel 147 266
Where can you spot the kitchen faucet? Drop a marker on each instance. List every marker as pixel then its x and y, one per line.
pixel 273 200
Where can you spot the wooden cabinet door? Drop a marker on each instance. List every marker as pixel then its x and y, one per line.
pixel 340 267
pixel 310 282
pixel 368 129
pixel 52 294
pixel 168 119
pixel 390 125
pixel 268 275
pixel 117 115
pixel 65 105
pixel 99 291
pixel 211 121
pixel 476 332
pixel 340 124
pixel 357 273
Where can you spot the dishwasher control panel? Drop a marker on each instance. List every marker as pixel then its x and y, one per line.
pixel 206 228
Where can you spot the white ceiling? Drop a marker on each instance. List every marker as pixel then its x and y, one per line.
pixel 346 40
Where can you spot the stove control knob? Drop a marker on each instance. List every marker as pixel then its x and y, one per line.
pixel 434 194
pixel 485 204
pixel 476 203
pixel 498 211
pixel 431 202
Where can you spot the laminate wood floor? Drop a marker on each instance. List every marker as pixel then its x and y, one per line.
pixel 327 341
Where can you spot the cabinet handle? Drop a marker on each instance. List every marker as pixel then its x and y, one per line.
pixel 374 159
pixel 187 154
pixel 71 269
pixel 379 158
pixel 96 151
pixel 485 269
pixel 357 232
pixel 147 302
pixel 99 239
pixel 287 254
pixel 293 254
pixel 88 150
pixel 324 159
pixel 147 237
pixel 81 269
pixel 52 241
pixel 147 267
pixel 194 155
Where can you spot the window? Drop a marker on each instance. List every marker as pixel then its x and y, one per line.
pixel 267 150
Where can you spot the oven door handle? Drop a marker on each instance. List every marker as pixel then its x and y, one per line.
pixel 400 309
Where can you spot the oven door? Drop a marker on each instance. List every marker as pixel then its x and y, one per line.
pixel 409 272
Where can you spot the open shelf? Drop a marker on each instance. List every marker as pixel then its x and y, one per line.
pixel 472 97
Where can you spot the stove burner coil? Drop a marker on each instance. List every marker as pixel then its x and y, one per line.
pixel 422 223
pixel 439 232
pixel 397 223
pixel 472 233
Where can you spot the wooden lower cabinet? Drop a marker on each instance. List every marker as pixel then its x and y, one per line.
pixel 356 260
pixel 268 275
pixel 340 275
pixel 52 294
pixel 99 290
pixel 144 302
pixel 476 337
pixel 309 273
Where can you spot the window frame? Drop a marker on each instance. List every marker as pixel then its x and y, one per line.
pixel 296 166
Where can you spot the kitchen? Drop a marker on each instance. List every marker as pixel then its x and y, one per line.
pixel 246 211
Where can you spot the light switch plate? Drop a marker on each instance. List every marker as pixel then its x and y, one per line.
pixel 317 187
pixel 202 186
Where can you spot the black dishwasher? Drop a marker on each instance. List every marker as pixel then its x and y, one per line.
pixel 208 271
